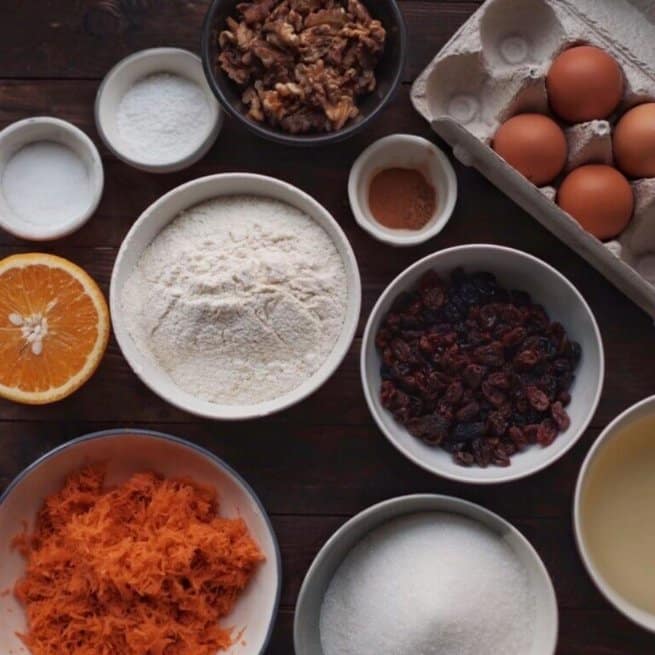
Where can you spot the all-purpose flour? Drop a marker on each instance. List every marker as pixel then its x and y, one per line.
pixel 240 299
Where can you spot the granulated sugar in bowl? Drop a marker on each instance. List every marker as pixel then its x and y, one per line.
pixel 426 575
pixel 429 584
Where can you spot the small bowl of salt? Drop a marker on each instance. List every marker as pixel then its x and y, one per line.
pixel 155 111
pixel 51 178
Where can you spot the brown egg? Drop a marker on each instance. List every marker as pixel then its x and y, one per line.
pixel 634 141
pixel 599 198
pixel 534 145
pixel 584 83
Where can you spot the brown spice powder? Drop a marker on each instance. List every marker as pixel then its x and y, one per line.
pixel 401 199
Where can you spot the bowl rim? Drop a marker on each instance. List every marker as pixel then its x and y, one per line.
pixel 308 140
pixel 442 217
pixel 207 454
pixel 353 304
pixel 217 114
pixel 440 503
pixel 396 285
pixel 58 232
pixel 633 613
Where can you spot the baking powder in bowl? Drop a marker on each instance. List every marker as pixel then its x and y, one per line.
pixel 45 183
pixel 429 584
pixel 163 117
pixel 240 299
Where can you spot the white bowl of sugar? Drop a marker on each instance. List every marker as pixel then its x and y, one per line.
pixel 426 574
pixel 51 178
pixel 155 111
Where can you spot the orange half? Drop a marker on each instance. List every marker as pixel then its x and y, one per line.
pixel 54 328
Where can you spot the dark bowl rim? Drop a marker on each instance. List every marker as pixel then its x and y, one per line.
pixel 201 450
pixel 301 140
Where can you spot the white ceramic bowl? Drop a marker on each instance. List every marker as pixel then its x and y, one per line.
pixel 126 452
pixel 160 214
pixel 44 128
pixel 130 70
pixel 403 151
pixel 642 410
pixel 306 631
pixel 563 303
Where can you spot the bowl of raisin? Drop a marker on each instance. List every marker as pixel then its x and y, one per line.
pixel 482 364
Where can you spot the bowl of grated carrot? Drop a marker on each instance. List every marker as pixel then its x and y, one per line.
pixel 131 542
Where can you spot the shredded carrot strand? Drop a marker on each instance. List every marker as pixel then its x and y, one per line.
pixel 146 568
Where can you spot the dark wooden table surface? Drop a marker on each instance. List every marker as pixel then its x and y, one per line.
pixel 324 460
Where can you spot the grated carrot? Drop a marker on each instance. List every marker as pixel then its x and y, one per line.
pixel 146 568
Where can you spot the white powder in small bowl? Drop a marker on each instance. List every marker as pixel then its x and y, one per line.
pixel 46 183
pixel 162 118
pixel 240 299
pixel 429 584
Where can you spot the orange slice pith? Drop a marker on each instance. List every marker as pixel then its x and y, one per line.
pixel 54 328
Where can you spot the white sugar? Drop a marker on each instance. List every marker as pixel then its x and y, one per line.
pixel 162 118
pixel 46 183
pixel 429 584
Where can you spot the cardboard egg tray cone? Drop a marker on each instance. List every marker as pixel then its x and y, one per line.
pixel 495 66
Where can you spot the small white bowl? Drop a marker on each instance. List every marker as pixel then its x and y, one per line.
pixel 44 128
pixel 126 452
pixel 130 70
pixel 403 151
pixel 306 630
pixel 562 301
pixel 165 210
pixel 642 410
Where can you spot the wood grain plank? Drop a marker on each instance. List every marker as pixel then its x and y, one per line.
pixel 84 39
pixel 316 469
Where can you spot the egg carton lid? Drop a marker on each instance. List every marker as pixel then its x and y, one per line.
pixel 627 29
pixel 621 23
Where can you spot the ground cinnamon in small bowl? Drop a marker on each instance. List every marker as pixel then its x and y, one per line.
pixel 401 199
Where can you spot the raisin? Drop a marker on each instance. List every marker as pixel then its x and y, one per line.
pixel 531 432
pixel 560 416
pixel 500 380
pixel 481 452
pixel 468 412
pixel 453 393
pixel 473 375
pixel 514 337
pixel 433 298
pixel 432 429
pixel 491 355
pixel 527 359
pixel 520 298
pixel 547 432
pixel 518 437
pixel 497 424
pixel 468 431
pixel 495 396
pixel 500 457
pixel 463 458
pixel 537 398
pixel 564 397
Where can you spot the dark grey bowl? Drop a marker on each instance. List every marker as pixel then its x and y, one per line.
pixel 388 72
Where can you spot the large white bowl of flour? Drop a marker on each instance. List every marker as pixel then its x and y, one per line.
pixel 235 296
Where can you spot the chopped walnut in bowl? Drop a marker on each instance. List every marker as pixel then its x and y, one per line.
pixel 302 65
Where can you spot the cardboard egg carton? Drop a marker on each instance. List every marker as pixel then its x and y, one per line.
pixel 495 66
